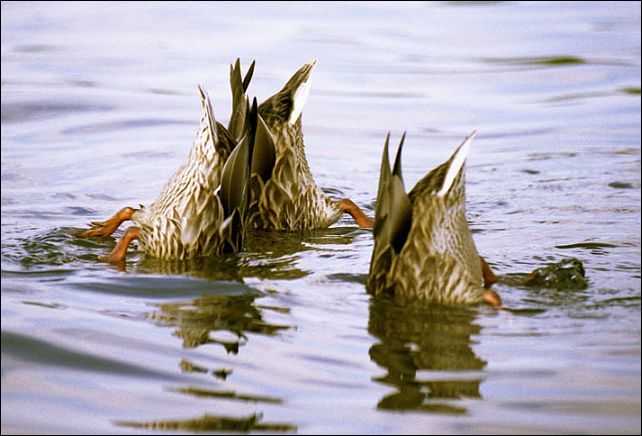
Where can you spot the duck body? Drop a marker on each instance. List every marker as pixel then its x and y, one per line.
pixel 201 209
pixel 423 247
pixel 284 193
pixel 290 199
pixel 184 220
pixel 253 173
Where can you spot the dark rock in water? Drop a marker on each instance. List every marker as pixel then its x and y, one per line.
pixel 567 274
pixel 621 185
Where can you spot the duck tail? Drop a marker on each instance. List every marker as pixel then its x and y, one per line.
pixel 208 113
pixel 212 130
pixel 455 164
pixel 287 104
pixel 239 85
pixel 264 153
pixel 299 88
pixel 393 217
pixel 234 192
pixel 207 130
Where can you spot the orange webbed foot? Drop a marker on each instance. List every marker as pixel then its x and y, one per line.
pixel 363 220
pixel 492 298
pixel 119 252
pixel 110 225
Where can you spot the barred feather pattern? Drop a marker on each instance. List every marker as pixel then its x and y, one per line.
pixel 185 220
pixel 438 261
pixel 290 199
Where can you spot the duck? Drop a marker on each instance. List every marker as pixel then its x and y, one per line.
pixel 423 248
pixel 201 209
pixel 284 195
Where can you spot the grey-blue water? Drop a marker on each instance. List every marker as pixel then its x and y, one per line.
pixel 100 106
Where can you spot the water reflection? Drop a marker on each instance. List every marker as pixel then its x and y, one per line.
pixel 421 337
pixel 212 423
pixel 224 320
pixel 225 315
pixel 275 255
pixel 210 268
pixel 268 255
pixel 226 394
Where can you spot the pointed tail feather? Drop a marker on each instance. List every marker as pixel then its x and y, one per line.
pixel 393 209
pixel 234 190
pixel 381 207
pixel 300 83
pixel 393 218
pixel 248 76
pixel 264 154
pixel 236 171
pixel 287 104
pixel 208 113
pixel 456 163
pixel 397 166
pixel 239 86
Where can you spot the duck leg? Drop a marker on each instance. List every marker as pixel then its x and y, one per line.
pixel 363 220
pixel 120 250
pixel 109 226
pixel 490 297
pixel 489 276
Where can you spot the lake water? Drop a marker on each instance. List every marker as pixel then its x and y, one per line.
pixel 100 106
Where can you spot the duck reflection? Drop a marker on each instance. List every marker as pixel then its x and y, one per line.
pixel 268 255
pixel 210 268
pixel 213 423
pixel 223 320
pixel 197 320
pixel 431 338
pixel 275 255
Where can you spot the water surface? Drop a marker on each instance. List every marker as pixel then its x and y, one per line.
pixel 100 106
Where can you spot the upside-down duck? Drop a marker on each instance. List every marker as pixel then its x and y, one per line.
pixel 284 193
pixel 423 247
pixel 201 209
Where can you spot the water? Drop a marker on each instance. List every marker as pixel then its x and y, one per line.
pixel 99 107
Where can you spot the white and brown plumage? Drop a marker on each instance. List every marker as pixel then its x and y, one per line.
pixel 423 247
pixel 200 210
pixel 192 217
pixel 284 193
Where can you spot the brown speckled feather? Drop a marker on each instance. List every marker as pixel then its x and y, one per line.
pixel 188 219
pixel 427 253
pixel 285 196
pixel 239 86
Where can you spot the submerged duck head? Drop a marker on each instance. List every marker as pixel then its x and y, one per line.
pixel 423 246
